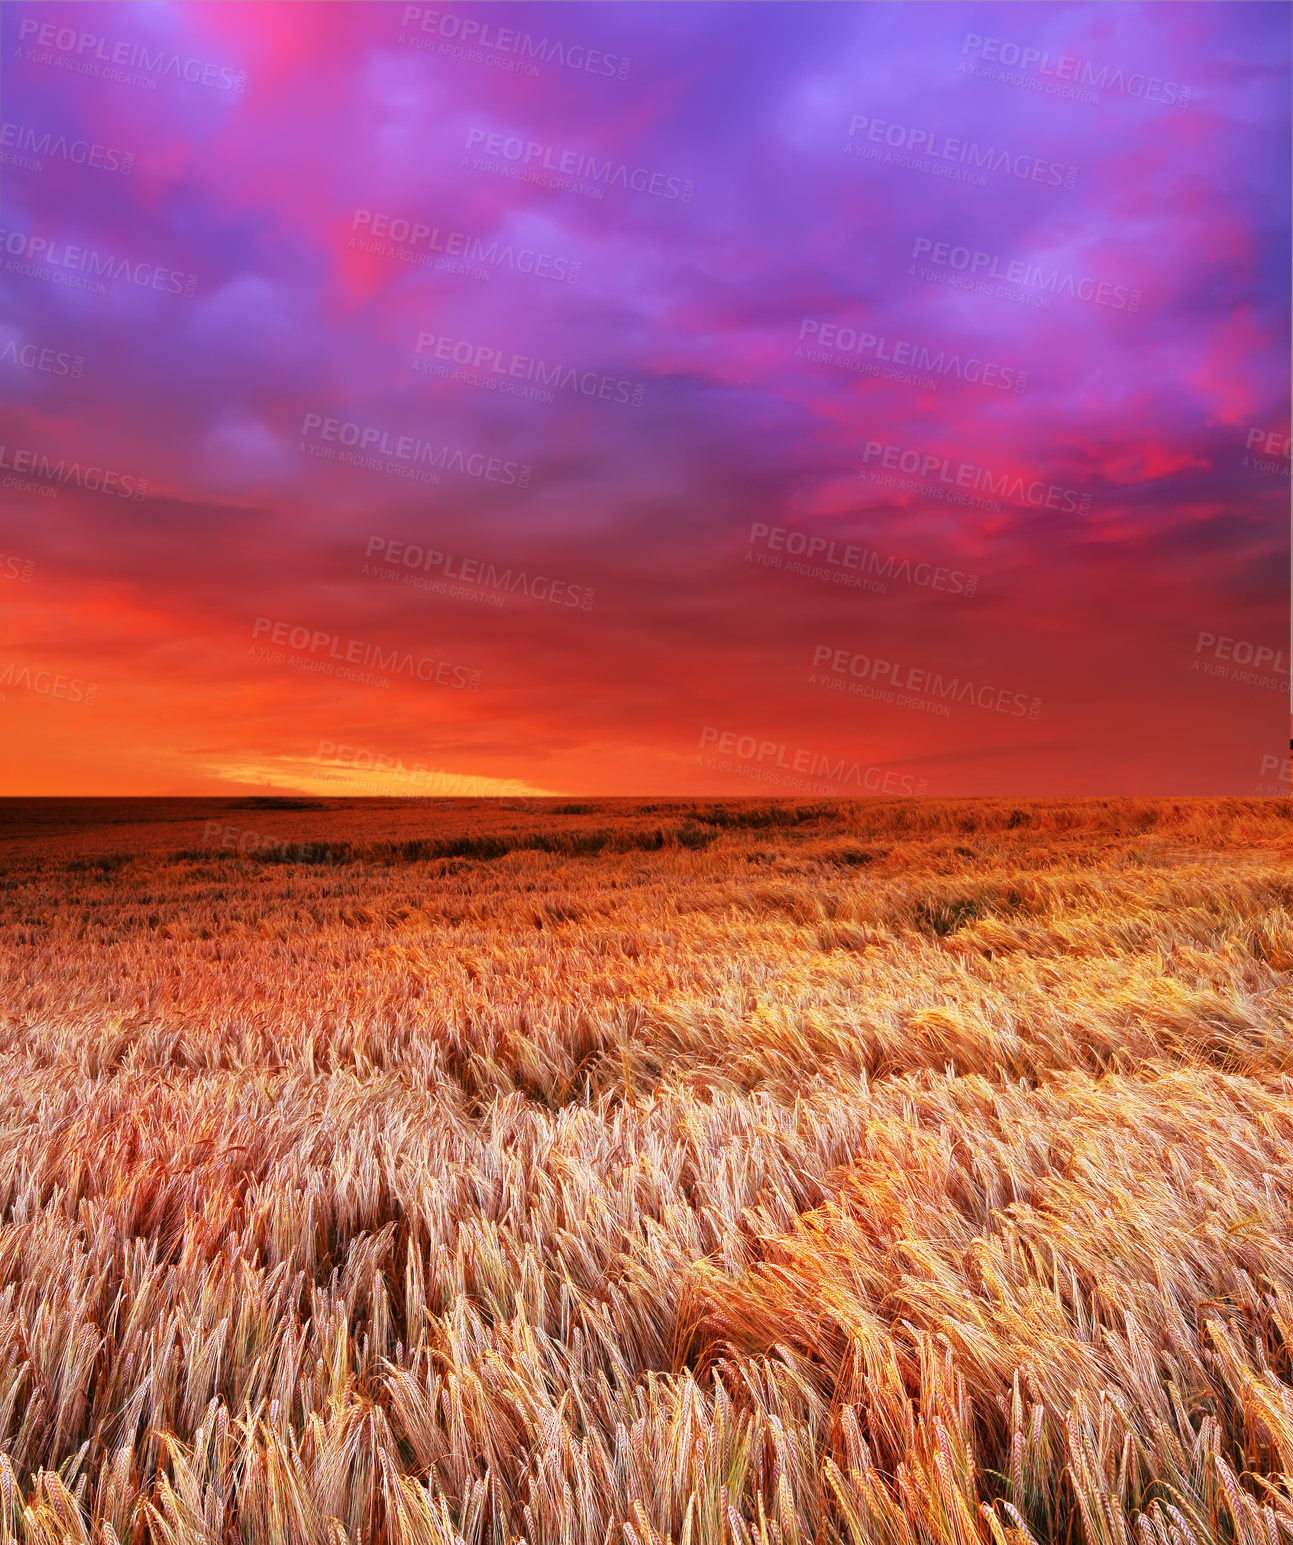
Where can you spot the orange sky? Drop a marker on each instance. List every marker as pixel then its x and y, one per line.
pixel 792 405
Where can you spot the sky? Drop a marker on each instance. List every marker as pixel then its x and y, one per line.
pixel 741 399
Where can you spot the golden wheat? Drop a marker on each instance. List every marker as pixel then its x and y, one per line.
pixel 615 1174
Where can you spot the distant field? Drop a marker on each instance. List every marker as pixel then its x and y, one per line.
pixel 615 1173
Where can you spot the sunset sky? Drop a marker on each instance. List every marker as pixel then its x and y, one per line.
pixel 632 399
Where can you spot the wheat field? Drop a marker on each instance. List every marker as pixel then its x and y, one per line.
pixel 615 1173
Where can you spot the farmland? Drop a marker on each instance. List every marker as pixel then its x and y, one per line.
pixel 614 1173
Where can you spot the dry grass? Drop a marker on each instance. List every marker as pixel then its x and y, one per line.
pixel 916 1174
